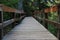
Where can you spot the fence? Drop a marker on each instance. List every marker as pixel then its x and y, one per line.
pixel 9 17
pixel 43 17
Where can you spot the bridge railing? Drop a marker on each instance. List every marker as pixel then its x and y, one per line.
pixel 42 17
pixel 9 17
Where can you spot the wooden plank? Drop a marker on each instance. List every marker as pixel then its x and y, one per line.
pixel 0 25
pixel 59 12
pixel 47 10
pixel 29 29
pixel 0 17
pixel 0 34
pixel 19 18
pixel 58 32
pixel 1 21
pixel 51 9
pixel 1 8
pixel 46 17
pixel 54 23
pixel 20 11
pixel 6 23
pixel 50 21
pixel 9 9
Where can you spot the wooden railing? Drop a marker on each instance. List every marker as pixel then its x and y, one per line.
pixel 12 21
pixel 45 19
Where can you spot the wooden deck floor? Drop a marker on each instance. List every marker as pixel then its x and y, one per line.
pixel 29 29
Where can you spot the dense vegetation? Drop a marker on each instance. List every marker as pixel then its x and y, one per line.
pixel 11 3
pixel 6 15
pixel 31 5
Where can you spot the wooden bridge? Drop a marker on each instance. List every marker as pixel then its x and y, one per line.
pixel 27 29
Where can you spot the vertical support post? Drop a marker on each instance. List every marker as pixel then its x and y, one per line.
pixel 0 29
pixel 13 16
pixel 43 18
pixel 1 21
pixel 46 23
pixel 0 34
pixel 20 15
pixel 58 32
pixel 20 18
pixel 59 12
pixel 0 16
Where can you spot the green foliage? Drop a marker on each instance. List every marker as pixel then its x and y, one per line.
pixel 47 3
pixel 53 16
pixel 11 3
pixel 52 29
pixel 6 16
pixel 29 6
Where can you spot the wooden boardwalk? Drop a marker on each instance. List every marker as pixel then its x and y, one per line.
pixel 29 29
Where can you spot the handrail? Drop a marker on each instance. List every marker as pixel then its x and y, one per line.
pixel 49 21
pixel 45 21
pixel 19 18
pixel 8 22
pixel 13 21
pixel 5 23
pixel 47 10
pixel 53 9
pixel 9 9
